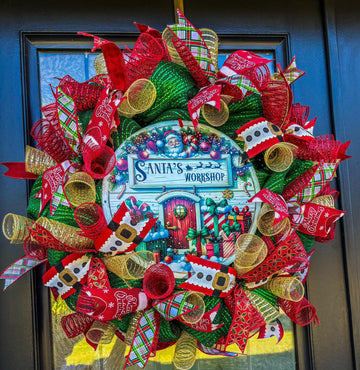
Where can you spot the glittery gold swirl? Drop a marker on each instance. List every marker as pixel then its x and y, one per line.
pixel 250 251
pixel 167 36
pixel 266 220
pixel 80 188
pixel 185 351
pixel 100 65
pixel 194 316
pixel 212 42
pixel 213 116
pixel 14 228
pixel 267 310
pixel 130 266
pixel 324 200
pixel 99 333
pixel 140 96
pixel 289 288
pixel 68 235
pixel 37 161
pixel 279 157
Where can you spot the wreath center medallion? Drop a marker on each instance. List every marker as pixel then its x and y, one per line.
pixel 164 167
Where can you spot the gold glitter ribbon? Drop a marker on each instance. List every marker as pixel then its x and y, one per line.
pixel 14 228
pixel 287 287
pixel 68 235
pixel 130 333
pixel 279 157
pixel 37 161
pixel 250 251
pixel 185 351
pixel 324 200
pixel 130 266
pixel 100 65
pixel 266 220
pixel 80 188
pixel 140 96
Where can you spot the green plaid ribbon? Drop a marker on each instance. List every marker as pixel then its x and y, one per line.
pixel 193 40
pixel 243 83
pixel 291 73
pixel 146 331
pixel 174 307
pixel 19 268
pixel 148 327
pixel 68 119
pixel 322 176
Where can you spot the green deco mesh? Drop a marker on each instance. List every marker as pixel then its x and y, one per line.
pixel 175 87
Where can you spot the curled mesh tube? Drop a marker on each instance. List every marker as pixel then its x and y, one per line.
pixel 91 219
pixel 99 162
pixel 140 96
pixel 279 157
pixel 194 316
pixel 212 42
pixel 76 324
pixel 286 287
pixel 80 188
pixel 130 266
pixel 250 251
pixel 324 200
pixel 167 36
pixel 185 351
pixel 129 336
pixel 37 161
pixel 302 312
pixel 159 281
pixel 14 228
pixel 68 235
pixel 266 220
pixel 215 117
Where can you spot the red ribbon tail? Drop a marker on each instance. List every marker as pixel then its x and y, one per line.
pixel 17 170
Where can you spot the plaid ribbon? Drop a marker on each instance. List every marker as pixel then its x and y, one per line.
pixel 243 83
pixel 193 40
pixel 19 268
pixel 291 73
pixel 320 179
pixel 148 326
pixel 68 119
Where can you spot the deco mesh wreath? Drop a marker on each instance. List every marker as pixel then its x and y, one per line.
pixel 173 239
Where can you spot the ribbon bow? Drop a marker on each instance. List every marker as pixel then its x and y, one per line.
pixel 138 210
pixel 198 237
pixel 213 206
pixel 234 228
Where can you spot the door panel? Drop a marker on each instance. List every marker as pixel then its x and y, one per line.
pixel 289 28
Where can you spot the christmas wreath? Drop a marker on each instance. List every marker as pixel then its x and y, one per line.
pixel 148 118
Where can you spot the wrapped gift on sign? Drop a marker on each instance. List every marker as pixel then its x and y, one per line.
pixel 214 214
pixel 214 246
pixel 229 234
pixel 242 217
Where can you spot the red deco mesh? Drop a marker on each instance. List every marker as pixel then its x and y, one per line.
pixel 85 96
pixel 299 114
pixel 190 62
pixel 34 250
pixel 302 312
pixel 50 141
pixel 159 281
pixel 99 162
pixel 289 253
pixel 277 100
pixel 145 56
pixel 76 324
pixel 322 148
pixel 299 183
pixel 231 90
pixel 91 220
pixel 259 75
